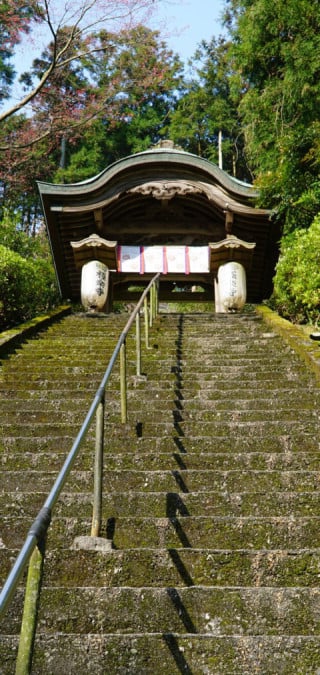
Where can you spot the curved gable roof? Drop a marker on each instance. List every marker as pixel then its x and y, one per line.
pixel 162 195
pixel 177 161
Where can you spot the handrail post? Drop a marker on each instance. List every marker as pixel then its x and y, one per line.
pixel 138 345
pixel 98 470
pixel 146 322
pixel 151 305
pixel 123 382
pixel 30 609
pixel 156 298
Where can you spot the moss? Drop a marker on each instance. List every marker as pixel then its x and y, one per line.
pixel 12 337
pixel 215 485
pixel 295 336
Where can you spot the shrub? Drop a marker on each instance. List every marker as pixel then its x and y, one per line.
pixel 27 287
pixel 297 281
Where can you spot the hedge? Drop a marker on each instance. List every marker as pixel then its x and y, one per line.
pixel 297 281
pixel 27 287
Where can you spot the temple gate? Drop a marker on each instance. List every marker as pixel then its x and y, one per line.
pixel 167 211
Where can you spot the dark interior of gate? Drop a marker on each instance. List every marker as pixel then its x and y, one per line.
pixel 160 198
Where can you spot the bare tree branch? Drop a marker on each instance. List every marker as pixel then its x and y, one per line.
pixel 112 10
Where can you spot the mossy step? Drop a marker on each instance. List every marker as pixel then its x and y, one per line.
pixel 165 355
pixel 132 442
pixel 217 390
pixel 60 401
pixel 65 342
pixel 199 370
pixel 190 380
pixel 166 415
pixel 176 567
pixel 198 609
pixel 283 398
pixel 87 381
pixel 41 430
pixel 171 481
pixel 61 393
pixel 223 492
pixel 155 461
pixel 217 532
pixel 82 374
pixel 168 654
pixel 184 429
pixel 167 504
pixel 244 377
pixel 218 362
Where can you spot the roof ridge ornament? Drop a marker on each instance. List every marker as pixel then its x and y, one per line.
pixel 166 144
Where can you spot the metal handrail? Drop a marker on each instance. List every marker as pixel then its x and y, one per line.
pixel 37 533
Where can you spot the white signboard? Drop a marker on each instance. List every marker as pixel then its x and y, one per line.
pixel 164 259
pixel 198 258
pixel 152 258
pixel 129 259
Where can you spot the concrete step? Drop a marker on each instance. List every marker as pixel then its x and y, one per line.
pixel 98 654
pixel 185 481
pixel 191 378
pixel 157 461
pixel 284 399
pixel 292 442
pixel 253 533
pixel 165 415
pixel 203 610
pixel 211 498
pixel 177 567
pixel 190 531
pixel 180 428
pixel 168 504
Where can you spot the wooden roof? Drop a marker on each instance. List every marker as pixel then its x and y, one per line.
pixel 161 196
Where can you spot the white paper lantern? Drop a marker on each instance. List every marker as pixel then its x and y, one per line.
pixel 232 287
pixel 94 285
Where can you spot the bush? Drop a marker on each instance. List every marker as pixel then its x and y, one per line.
pixel 297 281
pixel 27 287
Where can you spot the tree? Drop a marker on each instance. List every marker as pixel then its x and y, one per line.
pixel 276 52
pixel 14 21
pixel 70 29
pixel 72 40
pixel 139 81
pixel 58 101
pixel 208 111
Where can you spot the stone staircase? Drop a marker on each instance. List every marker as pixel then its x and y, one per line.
pixel 212 501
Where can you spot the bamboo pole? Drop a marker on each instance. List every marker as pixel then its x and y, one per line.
pixel 138 344
pixel 146 323
pixel 98 470
pixel 30 610
pixel 123 382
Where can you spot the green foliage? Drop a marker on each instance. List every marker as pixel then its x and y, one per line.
pixel 297 281
pixel 27 287
pixel 28 284
pixel 209 109
pixel 276 53
pixel 16 239
pixel 14 20
pixel 140 79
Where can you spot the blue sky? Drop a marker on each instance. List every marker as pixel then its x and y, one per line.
pixel 189 22
pixel 183 24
